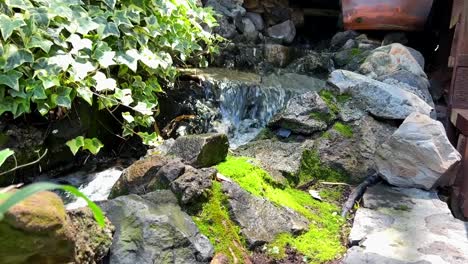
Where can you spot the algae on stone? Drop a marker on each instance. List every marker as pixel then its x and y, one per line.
pixel 322 242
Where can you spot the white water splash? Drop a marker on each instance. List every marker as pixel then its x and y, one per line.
pixel 96 185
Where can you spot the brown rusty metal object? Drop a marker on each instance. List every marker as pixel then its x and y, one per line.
pixel 404 15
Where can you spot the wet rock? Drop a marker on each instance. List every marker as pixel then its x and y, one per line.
pixel 92 242
pixel 380 99
pixel 168 173
pixel 251 4
pixel 248 29
pixel 391 58
pixel 340 38
pixel 410 82
pixel 304 114
pixel 201 150
pixel 193 184
pixel 257 20
pixel 37 230
pixel 354 154
pixel 418 153
pixel 284 32
pixel 400 225
pixel 277 55
pixel 350 59
pixel 230 8
pixel 312 63
pixel 136 178
pixel 153 229
pixel 280 159
pixel 226 28
pixel 259 219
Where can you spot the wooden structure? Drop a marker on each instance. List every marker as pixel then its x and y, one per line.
pixel 404 15
pixel 458 101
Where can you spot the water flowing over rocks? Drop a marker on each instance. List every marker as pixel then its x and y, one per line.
pixel 418 154
pixel 380 99
pixel 259 219
pixel 398 225
pixel 153 229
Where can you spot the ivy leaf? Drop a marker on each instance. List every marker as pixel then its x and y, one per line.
pixel 124 96
pixel 144 108
pixel 129 58
pixel 21 4
pixel 94 145
pixel 86 94
pixel 40 42
pixel 128 117
pixel 40 16
pixel 8 25
pixel 110 3
pixel 109 29
pixel 78 43
pixel 10 79
pixel 5 154
pixel 16 57
pixel 120 18
pixel 75 144
pixel 103 83
pixel 63 61
pixel 81 70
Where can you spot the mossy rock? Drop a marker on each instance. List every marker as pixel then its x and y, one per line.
pixel 36 230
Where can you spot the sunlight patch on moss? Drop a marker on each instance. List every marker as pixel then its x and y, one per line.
pixel 344 130
pixel 312 168
pixel 322 242
pixel 214 222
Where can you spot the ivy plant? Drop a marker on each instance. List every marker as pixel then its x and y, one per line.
pixel 113 53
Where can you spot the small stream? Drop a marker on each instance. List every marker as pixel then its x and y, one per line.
pixel 246 103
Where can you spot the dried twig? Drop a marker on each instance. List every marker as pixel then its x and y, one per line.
pixel 358 192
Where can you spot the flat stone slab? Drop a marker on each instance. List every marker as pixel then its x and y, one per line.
pixel 400 226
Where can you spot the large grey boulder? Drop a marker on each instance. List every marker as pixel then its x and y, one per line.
pixel 413 83
pixel 406 226
pixel 248 29
pixel 391 58
pixel 201 150
pixel 153 229
pixel 257 20
pixel 380 99
pixel 304 114
pixel 259 219
pixel 340 38
pixel 280 159
pixel 284 32
pixel 417 154
pixel 354 154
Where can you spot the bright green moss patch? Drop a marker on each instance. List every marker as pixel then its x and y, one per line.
pixel 312 168
pixel 322 242
pixel 214 222
pixel 329 98
pixel 344 130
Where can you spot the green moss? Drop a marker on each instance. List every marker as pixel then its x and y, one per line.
pixel 325 117
pixel 322 242
pixel 312 168
pixel 343 129
pixel 213 221
pixel 265 133
pixel 356 52
pixel 330 99
pixel 403 207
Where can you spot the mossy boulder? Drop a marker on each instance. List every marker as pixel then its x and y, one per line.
pixel 37 230
pixel 92 242
pixel 201 150
pixel 152 228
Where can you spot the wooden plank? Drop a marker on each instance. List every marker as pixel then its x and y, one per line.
pixel 459 95
pixel 459 118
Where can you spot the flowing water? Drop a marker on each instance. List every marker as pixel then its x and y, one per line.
pixel 246 103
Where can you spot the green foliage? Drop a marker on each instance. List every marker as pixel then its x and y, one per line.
pixel 312 168
pixel 214 222
pixel 107 52
pixel 322 242
pixel 344 130
pixel 91 144
pixel 5 154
